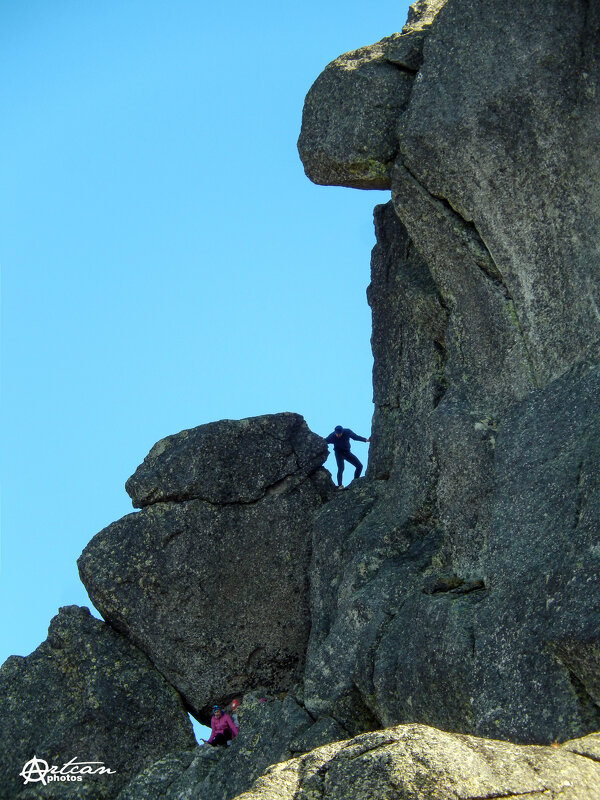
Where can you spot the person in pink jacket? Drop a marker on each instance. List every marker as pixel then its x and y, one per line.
pixel 222 728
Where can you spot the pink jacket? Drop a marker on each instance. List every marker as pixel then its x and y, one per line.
pixel 220 725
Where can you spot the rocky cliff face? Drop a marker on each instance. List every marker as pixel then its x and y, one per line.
pixel 88 695
pixel 457 584
pixel 465 588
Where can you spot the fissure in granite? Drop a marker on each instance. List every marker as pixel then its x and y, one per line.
pixel 461 436
pixel 468 233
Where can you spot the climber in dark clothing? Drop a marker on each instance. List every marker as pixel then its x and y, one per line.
pixel 340 439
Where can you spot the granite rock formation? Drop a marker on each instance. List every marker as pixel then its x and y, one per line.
pixel 414 762
pixel 270 731
pixel 228 462
pixel 411 762
pixel 349 130
pixel 85 693
pixel 210 577
pixel 458 586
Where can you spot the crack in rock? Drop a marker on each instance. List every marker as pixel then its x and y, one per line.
pixel 470 237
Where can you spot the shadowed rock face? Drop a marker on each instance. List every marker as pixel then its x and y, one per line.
pixel 213 586
pixel 492 628
pixel 459 585
pixel 89 694
pixel 269 732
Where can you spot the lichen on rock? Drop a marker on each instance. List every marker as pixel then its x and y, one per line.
pixel 414 762
pixel 210 579
pixel 86 693
pixel 458 586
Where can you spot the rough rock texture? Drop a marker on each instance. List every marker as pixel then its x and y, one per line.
pixel 231 461
pixel 342 145
pixel 269 732
pixel 463 590
pixel 349 125
pixel 216 592
pixel 506 138
pixel 414 762
pixel 85 693
pixel 458 585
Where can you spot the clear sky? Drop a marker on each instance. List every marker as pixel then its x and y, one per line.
pixel 165 262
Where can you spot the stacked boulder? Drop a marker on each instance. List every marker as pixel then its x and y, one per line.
pixel 209 579
pixel 457 584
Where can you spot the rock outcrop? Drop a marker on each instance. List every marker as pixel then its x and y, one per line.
pixel 414 762
pixel 270 731
pixel 349 131
pixel 210 578
pixel 86 693
pixel 459 585
pixel 228 462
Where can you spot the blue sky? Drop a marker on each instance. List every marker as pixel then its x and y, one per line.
pixel 165 262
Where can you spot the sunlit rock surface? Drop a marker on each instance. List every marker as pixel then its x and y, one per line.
pixel 414 762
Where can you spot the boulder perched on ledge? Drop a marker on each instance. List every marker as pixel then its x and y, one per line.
pixel 88 694
pixel 349 133
pixel 212 581
pixel 230 461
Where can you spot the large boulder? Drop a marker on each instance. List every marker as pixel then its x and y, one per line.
pixel 414 762
pixel 210 579
pixel 85 694
pixel 458 585
pixel 349 125
pixel 346 141
pixel 230 461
